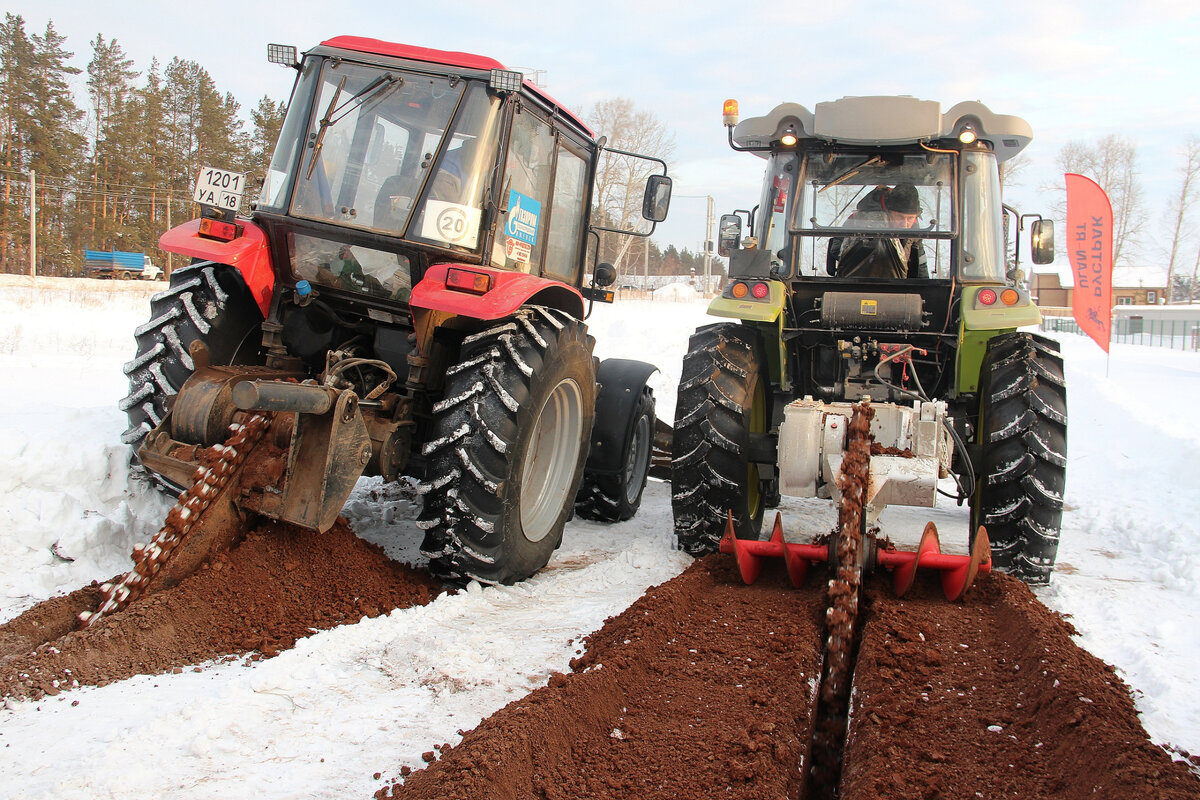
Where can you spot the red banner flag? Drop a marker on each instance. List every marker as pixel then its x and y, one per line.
pixel 1090 245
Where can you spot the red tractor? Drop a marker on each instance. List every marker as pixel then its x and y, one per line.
pixel 405 298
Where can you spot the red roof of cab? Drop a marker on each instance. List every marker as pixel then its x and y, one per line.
pixel 448 57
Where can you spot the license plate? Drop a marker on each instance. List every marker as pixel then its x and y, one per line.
pixel 220 188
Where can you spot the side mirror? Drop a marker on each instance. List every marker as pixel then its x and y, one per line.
pixel 657 199
pixel 729 234
pixel 1042 241
pixel 605 274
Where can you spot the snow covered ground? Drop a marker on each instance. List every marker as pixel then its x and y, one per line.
pixel 319 720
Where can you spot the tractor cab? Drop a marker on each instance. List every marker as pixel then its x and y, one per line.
pixel 877 188
pixel 880 221
pixel 392 159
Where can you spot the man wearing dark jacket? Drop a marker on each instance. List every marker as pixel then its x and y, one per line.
pixel 881 257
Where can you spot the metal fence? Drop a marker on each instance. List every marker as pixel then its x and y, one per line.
pixel 1177 333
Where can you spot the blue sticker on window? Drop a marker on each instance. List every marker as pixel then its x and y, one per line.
pixel 523 215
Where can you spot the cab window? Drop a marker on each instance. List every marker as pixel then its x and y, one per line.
pixel 566 218
pixel 521 234
pixel 452 207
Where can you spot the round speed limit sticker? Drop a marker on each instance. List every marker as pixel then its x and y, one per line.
pixel 451 223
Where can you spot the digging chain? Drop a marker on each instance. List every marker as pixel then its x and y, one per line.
pixel 207 483
pixel 842 612
pixel 844 588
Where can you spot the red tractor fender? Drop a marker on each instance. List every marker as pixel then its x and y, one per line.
pixel 248 254
pixel 507 292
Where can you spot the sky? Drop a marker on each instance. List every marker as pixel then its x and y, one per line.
pixel 320 719
pixel 1077 70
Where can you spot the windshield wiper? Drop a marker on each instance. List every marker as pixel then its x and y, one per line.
pixel 324 126
pixel 386 82
pixel 852 171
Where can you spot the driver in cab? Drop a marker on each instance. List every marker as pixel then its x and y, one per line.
pixel 881 257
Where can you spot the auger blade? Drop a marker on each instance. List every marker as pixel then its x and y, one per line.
pixel 751 554
pixel 958 572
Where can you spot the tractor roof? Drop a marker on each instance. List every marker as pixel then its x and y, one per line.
pixel 885 120
pixel 448 58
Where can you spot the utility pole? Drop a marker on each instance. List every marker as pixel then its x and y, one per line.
pixel 708 226
pixel 170 262
pixel 706 244
pixel 33 223
pixel 646 265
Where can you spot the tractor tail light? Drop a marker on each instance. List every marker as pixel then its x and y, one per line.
pixel 465 280
pixel 987 297
pixel 219 229
pixel 739 290
pixel 1009 297
pixel 761 290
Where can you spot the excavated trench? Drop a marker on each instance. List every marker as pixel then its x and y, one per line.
pixel 704 687
pixel 707 688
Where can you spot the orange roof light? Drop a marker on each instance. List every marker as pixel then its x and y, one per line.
pixel 730 113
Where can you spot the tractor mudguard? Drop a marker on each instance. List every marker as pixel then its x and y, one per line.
pixel 249 254
pixel 506 292
pixel 621 382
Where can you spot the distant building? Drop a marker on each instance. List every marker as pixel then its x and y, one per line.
pixel 1132 286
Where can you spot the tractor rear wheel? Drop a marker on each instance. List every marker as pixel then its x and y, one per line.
pixel 615 498
pixel 507 448
pixel 1023 443
pixel 205 302
pixel 722 401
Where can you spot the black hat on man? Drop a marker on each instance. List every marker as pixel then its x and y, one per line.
pixel 902 199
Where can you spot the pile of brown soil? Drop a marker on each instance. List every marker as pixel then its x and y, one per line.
pixel 705 688
pixel 993 696
pixel 701 688
pixel 279 585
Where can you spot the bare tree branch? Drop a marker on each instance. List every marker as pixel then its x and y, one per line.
pixel 1112 163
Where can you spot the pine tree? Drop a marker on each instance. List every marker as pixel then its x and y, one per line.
pixel 112 209
pixel 267 119
pixel 151 175
pixel 16 115
pixel 56 143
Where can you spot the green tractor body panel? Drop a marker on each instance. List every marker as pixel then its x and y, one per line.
pixel 750 309
pixel 972 345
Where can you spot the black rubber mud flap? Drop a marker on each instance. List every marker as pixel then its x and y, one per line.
pixel 621 382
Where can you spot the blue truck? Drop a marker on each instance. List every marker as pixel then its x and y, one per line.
pixel 119 264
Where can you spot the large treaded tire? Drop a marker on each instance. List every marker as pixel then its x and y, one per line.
pixel 205 302
pixel 1023 445
pixel 507 448
pixel 616 498
pixel 721 401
